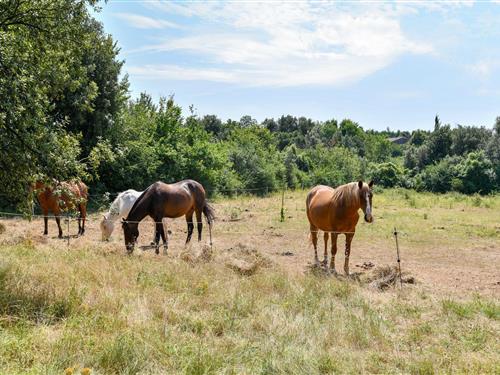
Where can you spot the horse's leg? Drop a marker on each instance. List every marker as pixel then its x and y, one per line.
pixel 334 252
pixel 45 222
pixel 79 222
pixel 348 240
pixel 199 224
pixel 325 255
pixel 189 220
pixel 58 221
pixel 314 239
pixel 158 233
pixel 164 236
pixel 83 214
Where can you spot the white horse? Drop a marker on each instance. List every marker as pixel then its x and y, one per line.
pixel 120 208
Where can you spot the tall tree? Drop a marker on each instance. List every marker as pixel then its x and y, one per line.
pixel 37 41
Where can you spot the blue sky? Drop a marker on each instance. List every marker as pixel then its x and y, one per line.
pixel 380 63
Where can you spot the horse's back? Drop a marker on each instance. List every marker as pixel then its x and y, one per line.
pixel 82 189
pixel 318 196
pixel 178 198
pixel 62 196
pixel 326 212
pixel 127 200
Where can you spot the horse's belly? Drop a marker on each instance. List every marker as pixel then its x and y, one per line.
pixel 180 207
pixel 322 218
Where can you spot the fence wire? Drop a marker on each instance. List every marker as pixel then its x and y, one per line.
pixel 150 221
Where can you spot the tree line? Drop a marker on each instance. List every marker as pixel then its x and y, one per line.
pixel 66 113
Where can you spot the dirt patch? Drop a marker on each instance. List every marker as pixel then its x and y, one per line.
pixel 2 228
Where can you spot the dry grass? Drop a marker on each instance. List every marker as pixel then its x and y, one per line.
pixel 91 306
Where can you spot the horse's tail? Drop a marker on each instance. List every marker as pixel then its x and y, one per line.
pixel 209 213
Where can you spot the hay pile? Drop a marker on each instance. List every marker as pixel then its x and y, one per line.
pixel 197 253
pixel 244 260
pixel 384 277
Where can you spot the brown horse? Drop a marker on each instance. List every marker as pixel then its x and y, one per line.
pixel 335 211
pixel 62 196
pixel 162 200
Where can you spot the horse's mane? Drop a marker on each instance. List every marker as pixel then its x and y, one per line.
pixel 139 200
pixel 346 195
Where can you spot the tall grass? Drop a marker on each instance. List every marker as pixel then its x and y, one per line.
pixel 89 305
pixel 131 315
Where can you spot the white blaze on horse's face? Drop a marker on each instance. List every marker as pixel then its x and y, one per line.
pixel 368 209
pixel 366 200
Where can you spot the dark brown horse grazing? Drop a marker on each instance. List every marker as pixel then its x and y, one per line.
pixel 62 196
pixel 162 200
pixel 335 211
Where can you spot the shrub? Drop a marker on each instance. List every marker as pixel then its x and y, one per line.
pixel 439 177
pixel 476 174
pixel 387 174
pixel 334 167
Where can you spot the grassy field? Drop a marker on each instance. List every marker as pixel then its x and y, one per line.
pixel 91 306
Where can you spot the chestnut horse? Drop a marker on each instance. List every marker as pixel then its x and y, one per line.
pixel 162 200
pixel 62 196
pixel 335 211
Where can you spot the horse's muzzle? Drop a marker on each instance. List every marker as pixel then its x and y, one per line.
pixel 369 219
pixel 130 248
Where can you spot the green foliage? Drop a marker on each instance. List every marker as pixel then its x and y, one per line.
pixel 46 58
pixel 252 152
pixel 438 177
pixel 387 174
pixel 334 166
pixel 64 114
pixel 466 139
pixel 475 174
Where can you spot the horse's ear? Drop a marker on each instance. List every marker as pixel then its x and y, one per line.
pixel 370 184
pixel 360 184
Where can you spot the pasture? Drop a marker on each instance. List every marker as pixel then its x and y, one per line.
pixel 88 305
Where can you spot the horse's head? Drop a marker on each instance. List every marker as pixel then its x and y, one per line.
pixel 107 227
pixel 130 233
pixel 365 197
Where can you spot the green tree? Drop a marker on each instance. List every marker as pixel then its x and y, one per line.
pixel 439 177
pixel 38 40
pixel 334 166
pixel 475 174
pixel 466 139
pixel 387 174
pixel 252 152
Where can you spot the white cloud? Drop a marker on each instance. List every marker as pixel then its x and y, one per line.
pixel 165 71
pixel 143 22
pixel 284 44
pixel 484 68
